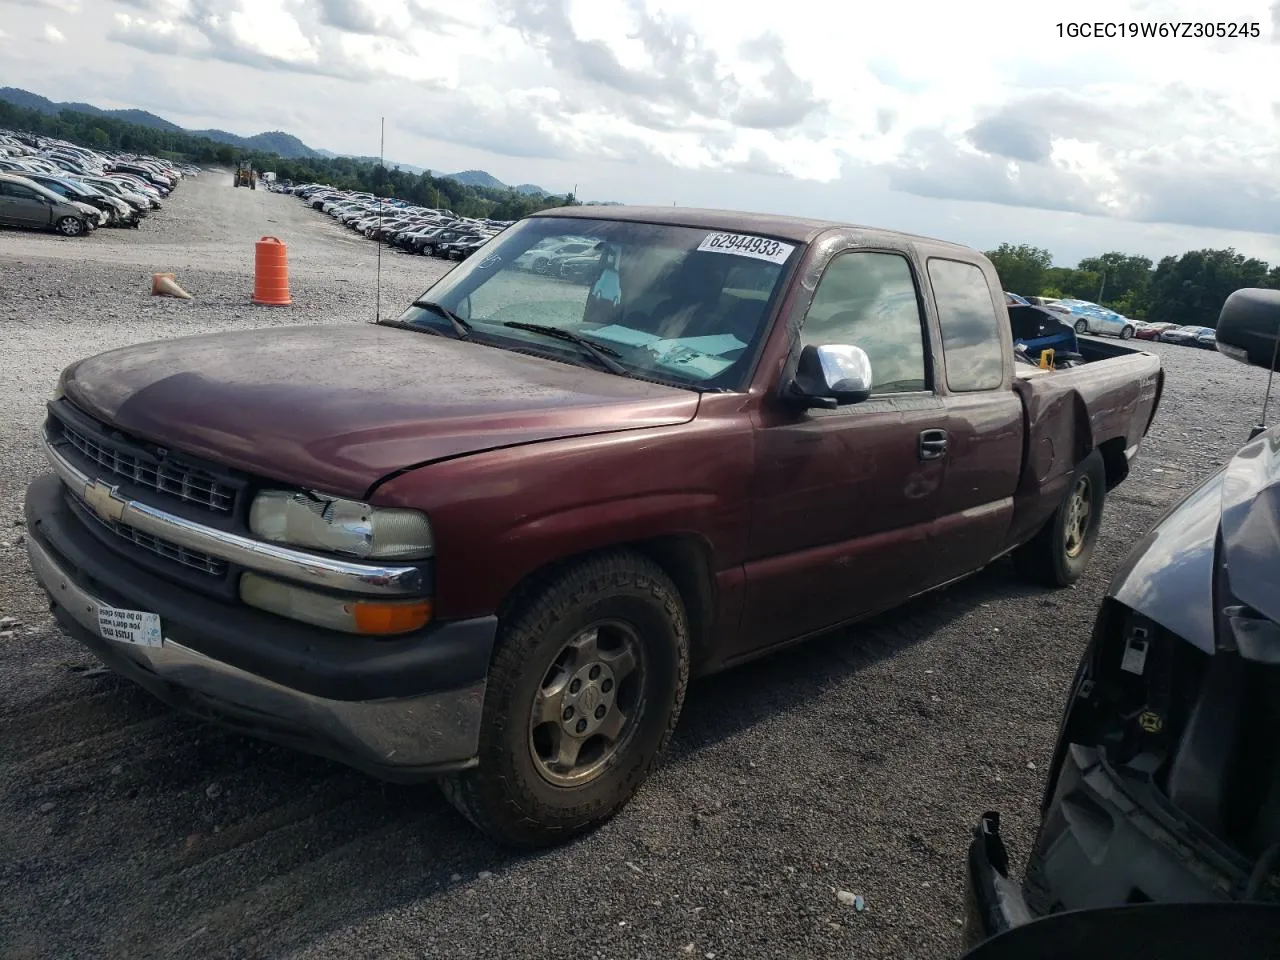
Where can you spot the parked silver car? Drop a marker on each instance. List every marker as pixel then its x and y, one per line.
pixel 1092 318
pixel 27 204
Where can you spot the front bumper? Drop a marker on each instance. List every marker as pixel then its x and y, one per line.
pixel 402 709
pixel 993 901
pixel 1099 846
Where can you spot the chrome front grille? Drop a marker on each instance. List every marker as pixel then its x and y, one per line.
pixel 193 559
pixel 187 483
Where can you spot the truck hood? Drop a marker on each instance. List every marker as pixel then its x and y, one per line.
pixel 339 407
pixel 1168 577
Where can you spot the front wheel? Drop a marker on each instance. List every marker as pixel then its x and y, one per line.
pixel 585 688
pixel 1082 326
pixel 70 226
pixel 1058 554
pixel 1126 333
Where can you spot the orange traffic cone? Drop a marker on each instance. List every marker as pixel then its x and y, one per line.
pixel 271 273
pixel 166 284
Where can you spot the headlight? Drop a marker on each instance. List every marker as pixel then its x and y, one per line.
pixel 305 519
pixel 368 617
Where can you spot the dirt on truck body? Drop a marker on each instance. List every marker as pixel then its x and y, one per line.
pixel 491 540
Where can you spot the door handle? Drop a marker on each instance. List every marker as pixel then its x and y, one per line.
pixel 933 444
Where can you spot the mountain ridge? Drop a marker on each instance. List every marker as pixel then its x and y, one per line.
pixel 279 142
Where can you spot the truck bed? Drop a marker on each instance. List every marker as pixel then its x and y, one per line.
pixel 1107 404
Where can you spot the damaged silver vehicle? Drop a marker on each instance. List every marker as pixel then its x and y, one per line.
pixel 1164 787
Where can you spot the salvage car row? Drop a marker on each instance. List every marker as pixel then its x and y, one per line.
pixel 1085 317
pixel 425 230
pixel 53 185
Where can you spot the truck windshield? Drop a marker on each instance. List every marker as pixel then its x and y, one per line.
pixel 677 304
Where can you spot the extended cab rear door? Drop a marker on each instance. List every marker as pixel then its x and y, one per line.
pixel 984 421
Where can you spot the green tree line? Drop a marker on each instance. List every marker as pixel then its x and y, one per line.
pixel 346 173
pixel 1188 289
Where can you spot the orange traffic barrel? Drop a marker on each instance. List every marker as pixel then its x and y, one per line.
pixel 271 273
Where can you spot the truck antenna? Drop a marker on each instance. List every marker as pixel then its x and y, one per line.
pixel 1266 399
pixel 382 153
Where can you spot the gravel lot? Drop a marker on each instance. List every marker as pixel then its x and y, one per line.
pixel 857 762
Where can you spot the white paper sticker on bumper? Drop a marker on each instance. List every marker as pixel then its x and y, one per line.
pixel 742 245
pixel 129 626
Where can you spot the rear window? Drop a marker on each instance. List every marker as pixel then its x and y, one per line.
pixel 971 348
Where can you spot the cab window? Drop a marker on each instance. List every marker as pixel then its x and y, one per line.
pixel 971 347
pixel 868 299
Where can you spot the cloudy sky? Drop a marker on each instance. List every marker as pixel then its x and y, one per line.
pixel 975 122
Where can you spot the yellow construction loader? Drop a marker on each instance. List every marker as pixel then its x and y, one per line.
pixel 246 176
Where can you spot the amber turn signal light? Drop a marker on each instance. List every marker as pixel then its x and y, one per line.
pixel 372 617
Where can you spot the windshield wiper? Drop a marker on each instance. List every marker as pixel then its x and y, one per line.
pixel 460 326
pixel 601 354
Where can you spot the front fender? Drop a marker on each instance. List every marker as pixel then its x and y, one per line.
pixel 1168 576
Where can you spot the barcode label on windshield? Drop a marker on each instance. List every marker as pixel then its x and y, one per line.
pixel 761 248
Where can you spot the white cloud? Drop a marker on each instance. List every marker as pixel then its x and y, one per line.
pixel 53 34
pixel 983 102
pixel 65 6
pixel 419 56
pixel 266 28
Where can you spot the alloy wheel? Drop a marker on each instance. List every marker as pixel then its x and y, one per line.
pixel 585 709
pixel 1079 509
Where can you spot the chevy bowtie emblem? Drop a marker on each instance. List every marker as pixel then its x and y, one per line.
pixel 102 500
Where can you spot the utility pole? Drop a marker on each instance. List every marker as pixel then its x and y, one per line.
pixel 1102 286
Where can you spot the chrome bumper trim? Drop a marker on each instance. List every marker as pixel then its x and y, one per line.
pixel 296 565
pixel 424 731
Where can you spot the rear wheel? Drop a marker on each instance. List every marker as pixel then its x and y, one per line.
pixel 1126 333
pixel 70 226
pixel 1058 555
pixel 584 690
pixel 1082 326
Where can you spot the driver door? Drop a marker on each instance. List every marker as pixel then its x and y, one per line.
pixel 22 206
pixel 844 498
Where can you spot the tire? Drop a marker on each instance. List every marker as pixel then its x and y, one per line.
pixel 1058 555
pixel 1126 333
pixel 1082 326
pixel 70 226
pixel 540 266
pixel 626 603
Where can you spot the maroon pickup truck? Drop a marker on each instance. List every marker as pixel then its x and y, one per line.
pixel 492 539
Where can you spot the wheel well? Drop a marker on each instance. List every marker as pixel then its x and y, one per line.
pixel 1114 461
pixel 685 558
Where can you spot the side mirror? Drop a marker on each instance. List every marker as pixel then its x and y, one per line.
pixel 1249 326
pixel 831 375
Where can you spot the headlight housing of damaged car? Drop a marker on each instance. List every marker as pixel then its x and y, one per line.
pixel 60 390
pixel 308 519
